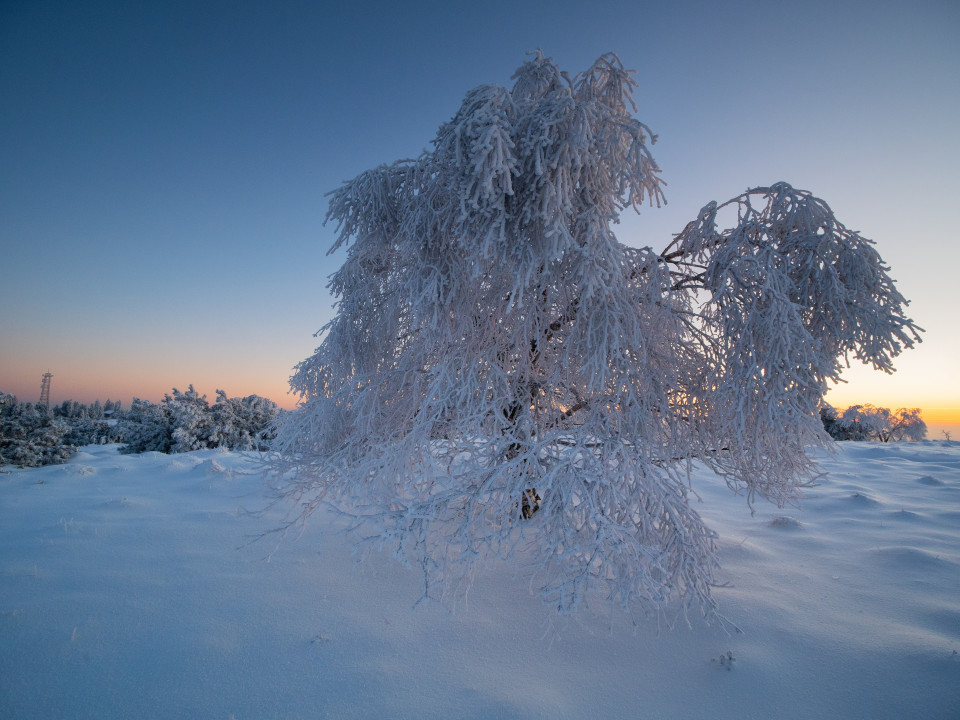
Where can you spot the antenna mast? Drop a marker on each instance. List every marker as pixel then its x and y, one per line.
pixel 45 390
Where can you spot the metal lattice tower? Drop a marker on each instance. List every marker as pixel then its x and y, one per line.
pixel 45 389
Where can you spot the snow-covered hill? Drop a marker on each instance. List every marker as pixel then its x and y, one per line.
pixel 128 589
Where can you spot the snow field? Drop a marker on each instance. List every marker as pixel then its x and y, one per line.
pixel 129 588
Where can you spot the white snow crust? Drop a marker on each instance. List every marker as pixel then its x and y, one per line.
pixel 129 588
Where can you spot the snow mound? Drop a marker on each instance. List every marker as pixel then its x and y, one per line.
pixel 214 467
pixel 785 522
pixel 912 559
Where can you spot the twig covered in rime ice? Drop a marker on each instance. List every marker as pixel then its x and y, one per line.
pixel 503 377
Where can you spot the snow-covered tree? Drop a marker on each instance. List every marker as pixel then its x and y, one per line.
pixel 243 423
pixel 87 424
pixel 192 421
pixel 906 424
pixel 185 421
pixel 30 436
pixel 868 422
pixel 147 427
pixel 503 374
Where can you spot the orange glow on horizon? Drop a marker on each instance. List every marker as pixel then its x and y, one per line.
pixel 941 416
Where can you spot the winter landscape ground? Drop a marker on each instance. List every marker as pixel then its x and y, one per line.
pixel 128 589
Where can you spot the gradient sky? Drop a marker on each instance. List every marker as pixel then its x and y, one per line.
pixel 163 165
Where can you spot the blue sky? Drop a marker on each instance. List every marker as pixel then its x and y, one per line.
pixel 163 165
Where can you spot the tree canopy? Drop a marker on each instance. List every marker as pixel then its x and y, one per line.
pixel 505 377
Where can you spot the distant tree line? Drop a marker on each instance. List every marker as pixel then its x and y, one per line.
pixel 32 434
pixel 868 422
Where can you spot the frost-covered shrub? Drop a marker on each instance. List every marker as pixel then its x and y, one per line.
pixel 192 421
pixel 868 422
pixel 906 424
pixel 244 423
pixel 94 424
pixel 30 436
pixel 147 427
pixel 503 372
pixel 185 421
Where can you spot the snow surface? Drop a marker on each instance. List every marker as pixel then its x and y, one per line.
pixel 128 589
